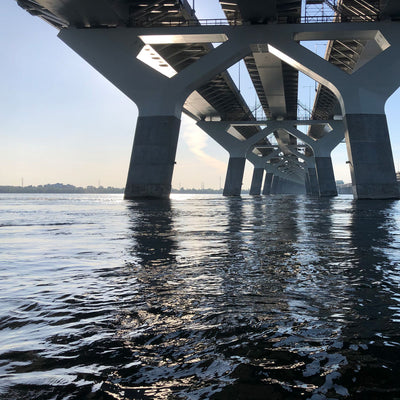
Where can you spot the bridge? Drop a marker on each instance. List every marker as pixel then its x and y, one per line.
pixel 168 62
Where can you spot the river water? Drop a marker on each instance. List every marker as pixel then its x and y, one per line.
pixel 199 297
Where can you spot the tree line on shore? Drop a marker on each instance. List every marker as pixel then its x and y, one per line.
pixel 59 188
pixel 66 188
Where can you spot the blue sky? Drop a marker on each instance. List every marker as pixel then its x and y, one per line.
pixel 61 121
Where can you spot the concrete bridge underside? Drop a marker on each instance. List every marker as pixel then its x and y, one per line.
pixel 363 41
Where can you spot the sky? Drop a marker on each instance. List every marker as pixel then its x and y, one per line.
pixel 61 121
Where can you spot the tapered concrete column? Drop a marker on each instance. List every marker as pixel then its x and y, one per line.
pixel 234 176
pixel 282 186
pixel 371 159
pixel 290 187
pixel 325 176
pixel 281 189
pixel 314 191
pixel 256 182
pixel 287 187
pixel 275 184
pixel 267 183
pixel 153 157
pixel 307 184
pixel 294 188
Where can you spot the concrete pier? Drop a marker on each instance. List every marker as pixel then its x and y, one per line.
pixel 256 182
pixel 234 176
pixel 325 176
pixel 370 156
pixel 153 157
pixel 289 187
pixel 275 184
pixel 307 184
pixel 312 174
pixel 267 183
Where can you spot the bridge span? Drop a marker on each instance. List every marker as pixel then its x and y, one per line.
pixel 188 73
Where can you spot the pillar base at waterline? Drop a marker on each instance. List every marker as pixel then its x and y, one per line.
pixel 371 159
pixel 153 158
pixel 147 191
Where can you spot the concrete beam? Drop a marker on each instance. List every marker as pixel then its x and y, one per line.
pixel 260 33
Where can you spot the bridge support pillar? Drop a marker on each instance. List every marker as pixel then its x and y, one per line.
pixel 290 187
pixel 307 184
pixel 325 176
pixel 297 188
pixel 153 157
pixel 234 176
pixel 284 186
pixel 275 184
pixel 267 183
pixel 370 157
pixel 256 182
pixel 312 175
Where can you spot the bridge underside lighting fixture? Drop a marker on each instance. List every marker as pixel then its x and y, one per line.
pixel 190 38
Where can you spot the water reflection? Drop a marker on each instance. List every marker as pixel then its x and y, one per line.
pixel 372 330
pixel 151 228
pixel 234 221
pixel 272 307
pixel 282 297
pixel 372 238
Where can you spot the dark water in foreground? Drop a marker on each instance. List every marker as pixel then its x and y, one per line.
pixel 201 297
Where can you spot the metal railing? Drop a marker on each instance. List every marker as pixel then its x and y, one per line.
pixel 174 22
pixel 181 22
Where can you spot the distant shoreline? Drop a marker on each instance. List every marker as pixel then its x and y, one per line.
pixel 71 189
pixel 59 188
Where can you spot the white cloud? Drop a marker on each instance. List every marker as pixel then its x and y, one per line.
pixel 197 142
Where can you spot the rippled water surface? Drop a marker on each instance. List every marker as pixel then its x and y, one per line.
pixel 199 297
